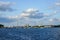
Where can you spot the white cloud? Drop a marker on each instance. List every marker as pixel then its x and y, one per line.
pixel 54 21
pixel 32 13
pixel 51 20
pixel 57 4
pixel 24 15
pixel 6 6
pixel 31 10
pixel 12 17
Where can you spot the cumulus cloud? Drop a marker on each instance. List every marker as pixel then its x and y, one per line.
pixel 26 16
pixel 31 10
pixel 6 6
pixel 32 13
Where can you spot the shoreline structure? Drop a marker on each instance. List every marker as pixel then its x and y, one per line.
pixel 28 26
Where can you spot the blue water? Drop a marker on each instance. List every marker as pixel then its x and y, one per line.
pixel 30 34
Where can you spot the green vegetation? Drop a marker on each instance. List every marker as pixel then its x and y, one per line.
pixel 37 26
pixel 1 26
pixel 43 26
pixel 55 25
pixel 28 26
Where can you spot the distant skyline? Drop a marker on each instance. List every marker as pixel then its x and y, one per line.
pixel 33 12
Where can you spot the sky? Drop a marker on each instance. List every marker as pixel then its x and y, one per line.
pixel 32 12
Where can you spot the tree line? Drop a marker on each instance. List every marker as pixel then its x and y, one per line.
pixel 27 26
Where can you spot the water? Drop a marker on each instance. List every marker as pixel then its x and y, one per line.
pixel 30 34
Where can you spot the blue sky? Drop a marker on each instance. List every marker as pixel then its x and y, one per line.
pixel 33 12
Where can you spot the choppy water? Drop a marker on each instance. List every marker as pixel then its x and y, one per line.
pixel 30 34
